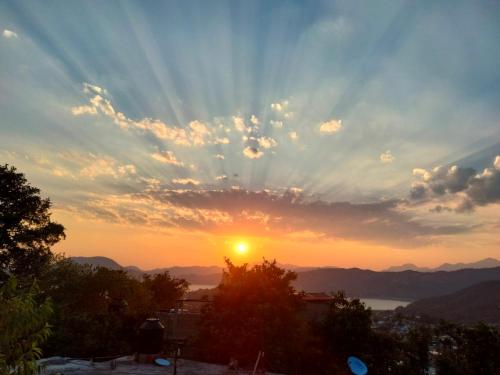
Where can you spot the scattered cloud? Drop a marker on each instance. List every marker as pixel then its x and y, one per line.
pixel 167 157
pixel 221 141
pixel 472 188
pixel 331 126
pixel 267 142
pixel 221 178
pixel 252 152
pixel 219 156
pixel 106 166
pixel 239 123
pixel 293 136
pixel 196 133
pixel 280 107
pixel 9 34
pixel 254 120
pixel 277 124
pixel 186 181
pixel 387 157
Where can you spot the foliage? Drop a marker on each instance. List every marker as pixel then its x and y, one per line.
pixel 26 229
pixel 255 309
pixel 97 310
pixel 23 326
pixel 468 350
pixel 165 289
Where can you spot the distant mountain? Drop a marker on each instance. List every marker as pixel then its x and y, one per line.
pixel 485 263
pixel 98 262
pixel 478 302
pixel 406 285
pixel 193 274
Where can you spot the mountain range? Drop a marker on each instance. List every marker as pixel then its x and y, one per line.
pixel 484 263
pixel 478 302
pixel 404 285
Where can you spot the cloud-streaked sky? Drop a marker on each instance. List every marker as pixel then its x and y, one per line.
pixel 349 133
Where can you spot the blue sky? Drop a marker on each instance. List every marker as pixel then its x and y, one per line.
pixel 335 101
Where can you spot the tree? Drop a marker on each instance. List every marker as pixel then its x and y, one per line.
pixel 345 330
pixel 26 229
pixel 255 309
pixel 23 326
pixel 165 289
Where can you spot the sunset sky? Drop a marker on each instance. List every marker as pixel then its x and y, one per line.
pixel 345 133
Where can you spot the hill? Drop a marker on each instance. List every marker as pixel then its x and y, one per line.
pixel 477 302
pixel 409 285
pixel 484 263
pixel 98 262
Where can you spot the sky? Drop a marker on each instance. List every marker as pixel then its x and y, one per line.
pixel 343 133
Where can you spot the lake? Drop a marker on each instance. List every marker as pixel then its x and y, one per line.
pixel 374 303
pixel 383 304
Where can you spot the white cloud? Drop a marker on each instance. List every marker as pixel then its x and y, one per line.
pixel 219 156
pixel 239 123
pixel 276 124
pixel 222 141
pixel 267 142
pixel 196 134
pixel 387 157
pixel 496 163
pixel 293 136
pixel 279 106
pixel 167 157
pixel 185 181
pixel 331 126
pixel 84 110
pixel 252 152
pixel 221 178
pixel 9 34
pixel 106 166
pixel 254 120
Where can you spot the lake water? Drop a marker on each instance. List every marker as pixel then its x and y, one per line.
pixel 383 304
pixel 374 303
pixel 193 287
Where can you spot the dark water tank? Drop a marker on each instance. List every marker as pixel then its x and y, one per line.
pixel 151 336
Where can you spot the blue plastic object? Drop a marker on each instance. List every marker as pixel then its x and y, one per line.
pixel 357 366
pixel 162 362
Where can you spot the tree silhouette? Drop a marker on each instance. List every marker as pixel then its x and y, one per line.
pixel 26 229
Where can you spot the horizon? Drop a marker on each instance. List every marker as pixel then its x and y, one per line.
pixel 319 134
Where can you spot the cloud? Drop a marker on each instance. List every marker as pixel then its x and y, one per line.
pixel 268 212
pixel 106 166
pixel 221 141
pixel 219 156
pixel 185 181
pixel 239 123
pixel 474 189
pixel 167 157
pixel 252 152
pixel 331 126
pixel 254 120
pixel 293 136
pixel 196 133
pixel 84 110
pixel 276 124
pixel 279 107
pixel 221 178
pixel 387 157
pixel 267 142
pixel 9 34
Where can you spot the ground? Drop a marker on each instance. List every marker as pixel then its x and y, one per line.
pixel 126 366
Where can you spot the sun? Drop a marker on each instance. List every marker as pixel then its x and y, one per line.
pixel 241 248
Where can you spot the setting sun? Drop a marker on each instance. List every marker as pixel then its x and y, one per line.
pixel 241 248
